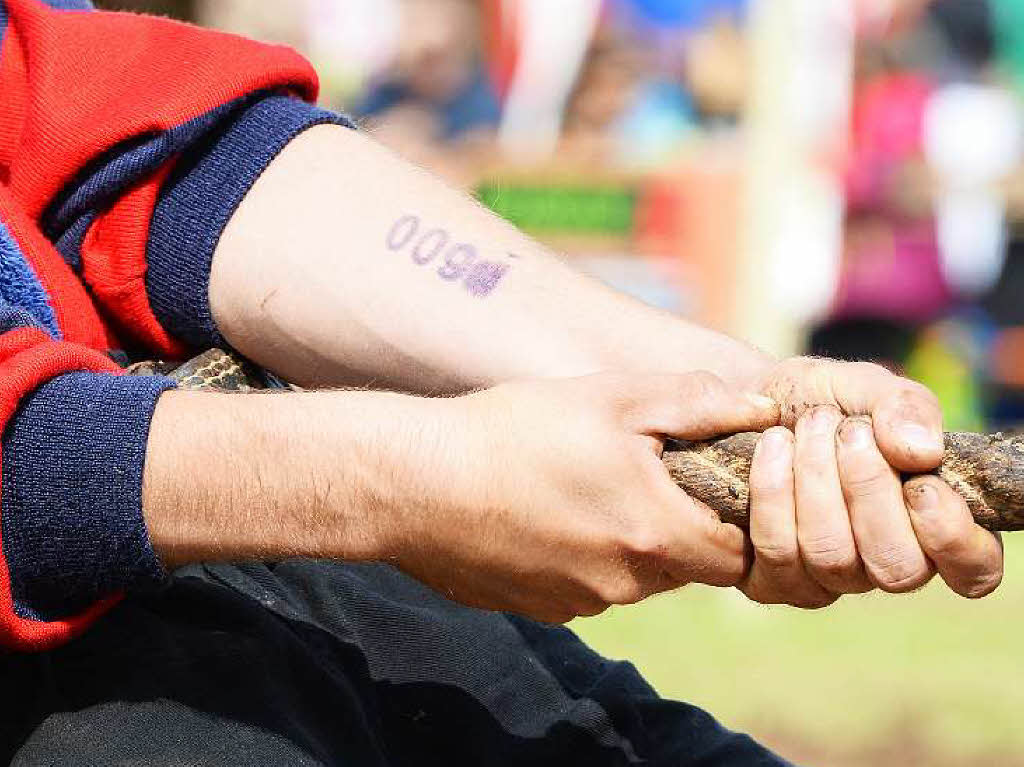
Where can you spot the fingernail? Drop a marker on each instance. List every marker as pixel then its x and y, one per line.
pixel 772 443
pixel 760 401
pixel 918 437
pixel 922 497
pixel 856 434
pixel 823 419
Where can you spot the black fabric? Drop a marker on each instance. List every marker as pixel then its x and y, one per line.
pixel 316 663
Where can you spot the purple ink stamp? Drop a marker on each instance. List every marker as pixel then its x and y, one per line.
pixel 456 261
pixel 402 231
pixel 439 238
pixel 484 276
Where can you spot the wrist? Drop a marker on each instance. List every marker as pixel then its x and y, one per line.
pixel 408 465
pixel 651 340
pixel 271 476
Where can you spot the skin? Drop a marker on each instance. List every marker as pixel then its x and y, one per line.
pixel 537 488
pixel 829 512
pixel 414 481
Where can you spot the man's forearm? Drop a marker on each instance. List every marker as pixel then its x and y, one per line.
pixel 243 476
pixel 545 497
pixel 346 265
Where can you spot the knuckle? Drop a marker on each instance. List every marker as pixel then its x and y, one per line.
pixel 831 555
pixel 982 585
pixel 837 566
pixel 897 568
pixel 702 384
pixel 868 479
pixel 777 555
pixel 900 582
pixel 623 590
pixel 642 541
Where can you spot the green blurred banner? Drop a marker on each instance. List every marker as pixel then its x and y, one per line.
pixel 563 209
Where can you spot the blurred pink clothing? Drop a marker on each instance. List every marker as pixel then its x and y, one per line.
pixel 892 271
pixel 891 264
pixel 886 130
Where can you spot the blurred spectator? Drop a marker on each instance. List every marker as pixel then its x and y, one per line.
pixel 604 91
pixel 716 69
pixel 891 266
pixel 636 106
pixel 973 141
pixel 437 86
pixel 540 49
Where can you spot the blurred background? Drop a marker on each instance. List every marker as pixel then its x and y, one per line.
pixel 840 177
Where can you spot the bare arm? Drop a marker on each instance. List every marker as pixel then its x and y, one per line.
pixel 544 497
pixel 346 265
pixel 243 476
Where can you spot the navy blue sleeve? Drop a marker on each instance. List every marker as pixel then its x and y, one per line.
pixel 74 452
pixel 199 198
pixel 218 157
pixel 72 524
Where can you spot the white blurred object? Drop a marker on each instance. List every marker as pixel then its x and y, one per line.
pixel 797 121
pixel 973 137
pixel 554 39
pixel 358 35
pixel 971 229
pixel 972 133
pixel 347 40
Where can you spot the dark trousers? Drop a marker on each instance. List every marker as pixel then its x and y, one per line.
pixel 317 663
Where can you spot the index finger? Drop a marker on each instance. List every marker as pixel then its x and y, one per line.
pixel 697 405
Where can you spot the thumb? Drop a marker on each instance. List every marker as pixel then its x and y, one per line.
pixel 906 416
pixel 700 405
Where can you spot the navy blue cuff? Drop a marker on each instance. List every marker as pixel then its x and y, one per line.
pixel 198 199
pixel 72 523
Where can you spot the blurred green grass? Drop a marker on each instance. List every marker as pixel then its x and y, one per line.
pixel 926 678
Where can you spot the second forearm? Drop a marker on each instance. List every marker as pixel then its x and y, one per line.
pixel 270 476
pixel 347 266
